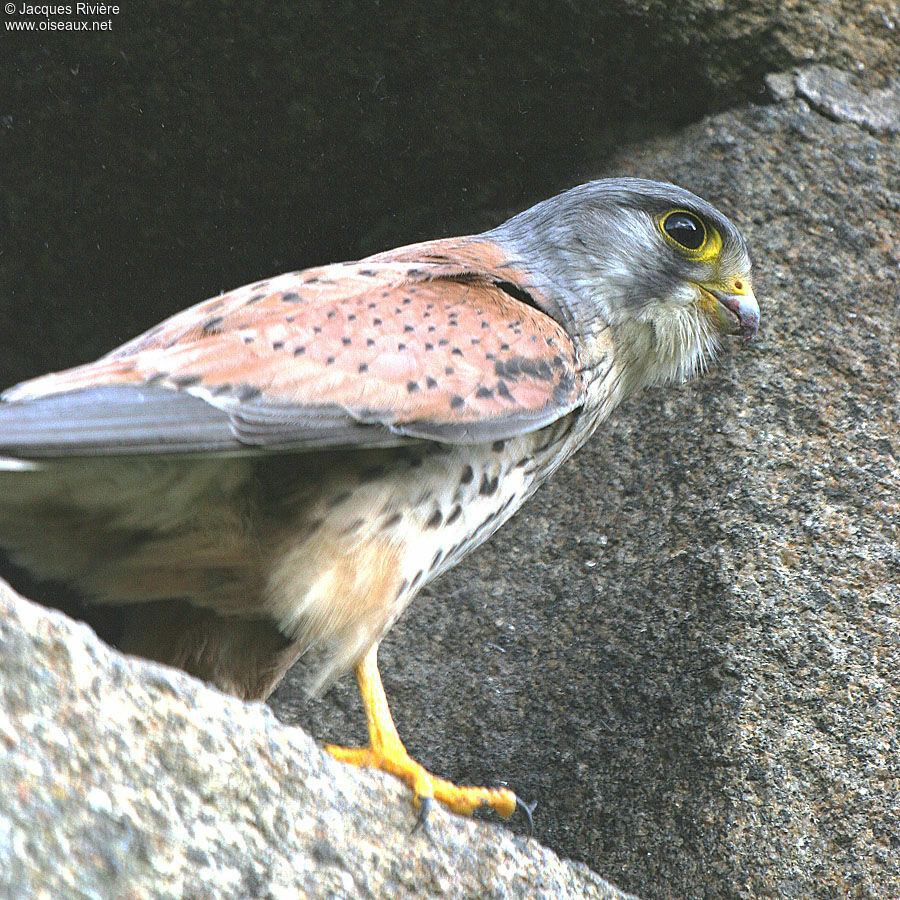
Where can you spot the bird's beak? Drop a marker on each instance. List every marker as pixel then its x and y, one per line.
pixel 734 306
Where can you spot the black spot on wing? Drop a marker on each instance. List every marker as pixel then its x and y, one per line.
pixel 517 366
pixel 211 326
pixel 186 381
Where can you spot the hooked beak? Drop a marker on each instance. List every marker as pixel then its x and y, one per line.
pixel 736 306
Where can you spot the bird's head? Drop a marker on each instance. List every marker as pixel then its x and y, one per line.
pixel 651 265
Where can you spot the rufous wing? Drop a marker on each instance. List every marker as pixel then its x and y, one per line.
pixel 437 341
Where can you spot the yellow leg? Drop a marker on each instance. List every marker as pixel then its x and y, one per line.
pixel 386 752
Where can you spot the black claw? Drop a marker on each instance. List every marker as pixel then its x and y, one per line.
pixel 421 820
pixel 528 809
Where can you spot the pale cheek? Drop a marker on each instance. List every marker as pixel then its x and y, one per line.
pixel 687 296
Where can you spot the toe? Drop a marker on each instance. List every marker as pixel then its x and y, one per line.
pixel 354 756
pixel 465 800
pixel 427 787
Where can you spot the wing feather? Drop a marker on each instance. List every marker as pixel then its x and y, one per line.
pixel 426 342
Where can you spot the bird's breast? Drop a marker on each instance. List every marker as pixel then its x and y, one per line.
pixel 385 523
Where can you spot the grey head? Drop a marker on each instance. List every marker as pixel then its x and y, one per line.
pixel 666 272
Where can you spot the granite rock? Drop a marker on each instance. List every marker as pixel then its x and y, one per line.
pixel 737 43
pixel 838 95
pixel 124 779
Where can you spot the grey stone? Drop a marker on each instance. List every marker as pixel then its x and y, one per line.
pixel 780 85
pixel 735 44
pixel 124 779
pixel 838 95
pixel 685 646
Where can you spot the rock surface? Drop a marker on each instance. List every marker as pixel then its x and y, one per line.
pixel 685 648
pixel 737 42
pixel 836 94
pixel 124 779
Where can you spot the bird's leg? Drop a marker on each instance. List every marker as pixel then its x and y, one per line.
pixel 386 752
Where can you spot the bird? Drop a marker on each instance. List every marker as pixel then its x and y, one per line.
pixel 285 466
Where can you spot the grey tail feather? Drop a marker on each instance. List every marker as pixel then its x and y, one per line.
pixel 10 464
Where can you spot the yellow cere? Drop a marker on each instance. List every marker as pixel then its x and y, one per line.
pixel 738 284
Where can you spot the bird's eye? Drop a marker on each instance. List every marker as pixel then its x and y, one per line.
pixel 685 229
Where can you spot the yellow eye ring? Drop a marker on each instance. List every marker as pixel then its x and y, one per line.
pixel 690 234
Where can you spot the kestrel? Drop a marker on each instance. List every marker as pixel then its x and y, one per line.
pixel 287 465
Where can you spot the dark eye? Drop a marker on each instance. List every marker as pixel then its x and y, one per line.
pixel 685 229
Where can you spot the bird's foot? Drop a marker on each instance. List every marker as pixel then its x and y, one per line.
pixel 425 786
pixel 386 752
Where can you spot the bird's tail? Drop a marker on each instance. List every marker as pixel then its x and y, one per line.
pixel 10 464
